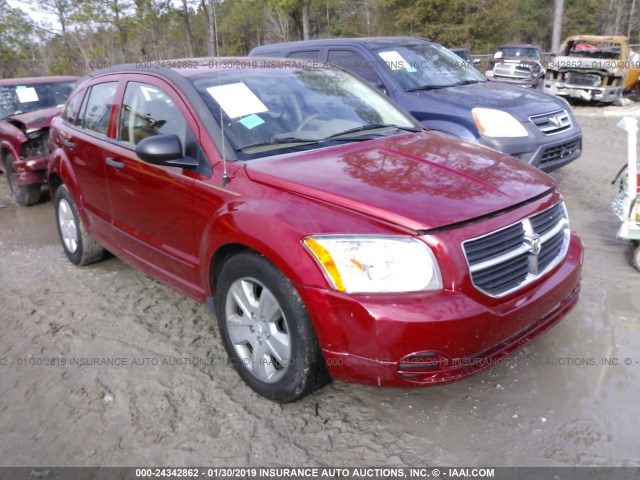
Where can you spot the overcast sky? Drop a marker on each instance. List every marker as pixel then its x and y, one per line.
pixel 38 18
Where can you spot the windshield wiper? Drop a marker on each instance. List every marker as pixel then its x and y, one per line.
pixel 279 142
pixel 427 87
pixel 468 82
pixel 371 126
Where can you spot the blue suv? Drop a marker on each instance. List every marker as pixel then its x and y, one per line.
pixel 447 94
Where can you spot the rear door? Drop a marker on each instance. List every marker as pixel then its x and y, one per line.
pixel 85 141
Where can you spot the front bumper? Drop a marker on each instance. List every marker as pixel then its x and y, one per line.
pixel 546 152
pixel 432 338
pixel 527 83
pixel 597 94
pixel 30 171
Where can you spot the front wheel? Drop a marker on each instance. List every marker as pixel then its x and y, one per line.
pixel 266 330
pixel 80 248
pixel 24 194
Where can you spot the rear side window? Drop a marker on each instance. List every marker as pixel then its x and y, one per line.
pixel 353 62
pixel 96 108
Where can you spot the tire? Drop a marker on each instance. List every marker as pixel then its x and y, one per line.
pixel 635 261
pixel 80 248
pixel 24 194
pixel 266 330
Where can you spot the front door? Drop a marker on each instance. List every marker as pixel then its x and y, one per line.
pixel 152 206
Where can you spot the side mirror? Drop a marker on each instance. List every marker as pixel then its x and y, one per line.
pixel 164 150
pixel 380 87
pixel 476 61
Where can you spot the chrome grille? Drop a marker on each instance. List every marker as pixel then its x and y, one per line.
pixel 583 79
pixel 553 122
pixel 559 152
pixel 512 70
pixel 512 257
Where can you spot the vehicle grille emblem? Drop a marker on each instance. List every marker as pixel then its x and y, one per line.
pixel 535 245
pixel 557 120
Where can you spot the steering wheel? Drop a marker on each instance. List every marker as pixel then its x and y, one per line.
pixel 307 120
pixel 154 124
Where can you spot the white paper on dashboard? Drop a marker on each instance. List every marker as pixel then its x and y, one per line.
pixel 26 95
pixel 394 59
pixel 237 100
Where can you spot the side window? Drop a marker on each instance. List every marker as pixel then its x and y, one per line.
pixel 146 111
pixel 353 62
pixel 306 54
pixel 71 110
pixel 96 108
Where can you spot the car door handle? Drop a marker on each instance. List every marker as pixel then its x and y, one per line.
pixel 112 162
pixel 69 144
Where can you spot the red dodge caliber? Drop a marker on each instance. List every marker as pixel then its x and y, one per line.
pixel 329 233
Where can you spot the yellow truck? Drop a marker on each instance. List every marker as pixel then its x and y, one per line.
pixel 593 68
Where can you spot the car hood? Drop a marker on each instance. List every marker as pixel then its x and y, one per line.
pixel 529 62
pixel 519 102
pixel 418 181
pixel 36 119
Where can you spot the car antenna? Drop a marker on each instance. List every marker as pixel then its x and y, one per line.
pixel 225 176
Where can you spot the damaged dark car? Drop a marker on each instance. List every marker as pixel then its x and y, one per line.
pixel 27 106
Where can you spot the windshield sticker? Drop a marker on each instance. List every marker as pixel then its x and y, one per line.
pixel 237 100
pixel 26 94
pixel 395 61
pixel 252 121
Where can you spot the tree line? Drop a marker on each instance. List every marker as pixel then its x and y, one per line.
pixel 91 34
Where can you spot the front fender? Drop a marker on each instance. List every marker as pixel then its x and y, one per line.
pixel 280 243
pixel 455 129
pixel 10 146
pixel 275 238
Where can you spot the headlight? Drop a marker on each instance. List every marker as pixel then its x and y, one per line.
pixel 369 264
pixel 496 123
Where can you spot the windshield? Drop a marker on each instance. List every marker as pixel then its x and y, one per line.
pixel 524 52
pixel 593 49
pixel 29 97
pixel 265 111
pixel 427 65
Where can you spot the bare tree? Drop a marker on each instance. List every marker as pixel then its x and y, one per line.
pixel 188 28
pixel 209 7
pixel 306 21
pixel 557 25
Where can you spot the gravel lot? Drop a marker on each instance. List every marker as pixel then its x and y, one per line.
pixel 172 400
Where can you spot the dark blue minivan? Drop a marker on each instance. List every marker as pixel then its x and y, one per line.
pixel 445 93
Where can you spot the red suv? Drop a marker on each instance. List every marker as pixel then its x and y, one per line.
pixel 330 235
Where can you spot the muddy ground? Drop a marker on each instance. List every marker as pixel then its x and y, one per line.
pixel 562 401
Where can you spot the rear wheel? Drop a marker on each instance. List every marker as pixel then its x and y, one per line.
pixel 636 258
pixel 80 248
pixel 24 194
pixel 266 330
